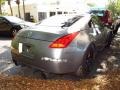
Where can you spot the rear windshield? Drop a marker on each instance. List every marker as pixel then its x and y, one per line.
pixel 14 19
pixel 62 21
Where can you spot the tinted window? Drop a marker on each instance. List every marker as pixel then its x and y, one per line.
pixel 59 12
pixel 52 13
pixel 42 15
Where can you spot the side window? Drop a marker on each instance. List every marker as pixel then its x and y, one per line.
pixel 97 23
pixel 90 23
pixel 89 27
pixel 96 28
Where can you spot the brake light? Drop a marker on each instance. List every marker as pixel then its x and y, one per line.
pixel 63 41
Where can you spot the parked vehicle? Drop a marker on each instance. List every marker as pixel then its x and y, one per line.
pixel 61 44
pixel 11 25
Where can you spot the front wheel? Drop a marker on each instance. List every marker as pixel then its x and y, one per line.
pixel 14 32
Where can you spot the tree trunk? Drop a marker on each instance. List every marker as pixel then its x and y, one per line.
pixel 24 9
pixel 9 3
pixel 11 10
pixel 0 7
pixel 18 3
pixel 19 11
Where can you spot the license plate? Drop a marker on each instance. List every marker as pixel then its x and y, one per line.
pixel 20 47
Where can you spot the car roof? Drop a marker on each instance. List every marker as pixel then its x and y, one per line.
pixel 76 26
pixel 8 16
pixel 13 19
pixel 60 20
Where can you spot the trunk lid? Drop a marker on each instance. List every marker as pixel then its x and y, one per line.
pixel 43 33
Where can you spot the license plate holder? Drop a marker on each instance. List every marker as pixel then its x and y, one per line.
pixel 27 50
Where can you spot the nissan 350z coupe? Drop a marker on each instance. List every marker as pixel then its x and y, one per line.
pixel 61 44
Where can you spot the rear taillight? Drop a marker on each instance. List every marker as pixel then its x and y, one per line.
pixel 63 41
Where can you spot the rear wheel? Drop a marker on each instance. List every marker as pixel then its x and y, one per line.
pixel 46 75
pixel 87 64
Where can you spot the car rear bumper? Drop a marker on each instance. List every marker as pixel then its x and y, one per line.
pixel 68 64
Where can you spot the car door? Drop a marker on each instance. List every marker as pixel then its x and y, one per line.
pixel 5 25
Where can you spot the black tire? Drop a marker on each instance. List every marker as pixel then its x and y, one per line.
pixel 46 75
pixel 87 65
pixel 14 61
pixel 13 32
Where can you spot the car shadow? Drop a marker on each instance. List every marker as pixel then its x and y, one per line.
pixel 5 59
pixel 5 37
pixel 108 60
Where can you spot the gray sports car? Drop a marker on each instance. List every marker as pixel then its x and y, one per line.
pixel 61 44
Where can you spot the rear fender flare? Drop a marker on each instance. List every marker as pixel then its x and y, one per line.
pixel 80 70
pixel 93 47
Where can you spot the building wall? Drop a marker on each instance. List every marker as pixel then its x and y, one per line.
pixel 44 10
pixel 31 8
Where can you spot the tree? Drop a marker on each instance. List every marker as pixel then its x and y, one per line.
pixel 1 3
pixel 9 3
pixel 18 3
pixel 114 7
